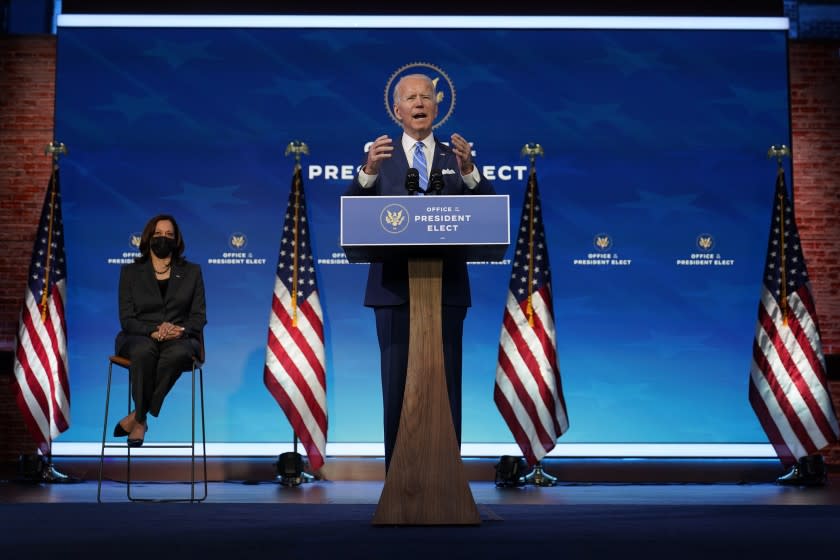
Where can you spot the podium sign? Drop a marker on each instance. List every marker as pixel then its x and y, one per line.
pixel 472 227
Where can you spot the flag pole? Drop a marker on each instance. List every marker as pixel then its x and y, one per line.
pixel 48 473
pixel 297 148
pixel 780 152
pixel 532 151
pixel 537 477
pixel 55 150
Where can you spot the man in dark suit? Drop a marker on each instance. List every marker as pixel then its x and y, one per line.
pixel 384 173
pixel 162 315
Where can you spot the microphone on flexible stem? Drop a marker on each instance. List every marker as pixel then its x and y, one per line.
pixel 412 181
pixel 435 181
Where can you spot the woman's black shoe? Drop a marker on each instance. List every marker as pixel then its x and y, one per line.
pixel 138 442
pixel 119 431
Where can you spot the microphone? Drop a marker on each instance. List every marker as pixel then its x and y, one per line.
pixel 435 181
pixel 412 181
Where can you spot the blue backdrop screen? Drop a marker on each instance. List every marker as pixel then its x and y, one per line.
pixel 656 198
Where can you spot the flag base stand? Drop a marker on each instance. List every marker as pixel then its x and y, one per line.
pixel 302 478
pixel 538 477
pixel 291 469
pixel 52 475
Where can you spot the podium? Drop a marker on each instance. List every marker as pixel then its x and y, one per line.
pixel 426 483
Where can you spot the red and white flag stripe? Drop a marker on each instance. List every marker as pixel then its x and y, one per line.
pixel 788 387
pixel 295 369
pixel 41 368
pixel 527 378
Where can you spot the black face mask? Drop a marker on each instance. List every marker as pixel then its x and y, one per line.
pixel 162 246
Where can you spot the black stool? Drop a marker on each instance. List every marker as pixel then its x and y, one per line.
pixel 197 366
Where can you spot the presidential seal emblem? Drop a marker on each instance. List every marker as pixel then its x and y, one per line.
pixel 602 241
pixel 705 242
pixel 237 241
pixel 134 240
pixel 444 89
pixel 394 218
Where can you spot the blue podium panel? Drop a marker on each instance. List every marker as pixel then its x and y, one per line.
pixel 476 228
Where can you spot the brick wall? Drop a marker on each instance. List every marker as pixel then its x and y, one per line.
pixel 27 99
pixel 815 110
pixel 27 70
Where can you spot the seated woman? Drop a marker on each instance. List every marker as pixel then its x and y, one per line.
pixel 162 314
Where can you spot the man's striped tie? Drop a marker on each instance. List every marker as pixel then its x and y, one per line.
pixel 420 165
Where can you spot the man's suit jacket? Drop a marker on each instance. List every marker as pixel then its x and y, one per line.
pixel 388 281
pixel 142 308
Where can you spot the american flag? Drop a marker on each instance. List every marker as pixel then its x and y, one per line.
pixel 788 387
pixel 294 359
pixel 40 366
pixel 528 392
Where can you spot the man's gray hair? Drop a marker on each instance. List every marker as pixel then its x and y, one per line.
pixel 423 76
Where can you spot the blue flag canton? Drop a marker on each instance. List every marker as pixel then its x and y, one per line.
pixel 783 227
pixel 48 266
pixel 524 280
pixel 286 259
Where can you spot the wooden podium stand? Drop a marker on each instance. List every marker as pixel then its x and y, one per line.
pixel 426 483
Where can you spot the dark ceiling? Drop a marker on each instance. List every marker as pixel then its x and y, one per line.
pixel 570 7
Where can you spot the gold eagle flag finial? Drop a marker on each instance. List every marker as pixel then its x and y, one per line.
pixel 779 152
pixel 297 148
pixel 55 149
pixel 532 150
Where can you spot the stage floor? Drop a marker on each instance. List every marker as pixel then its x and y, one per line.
pixel 333 519
pixel 360 481
pixel 484 493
